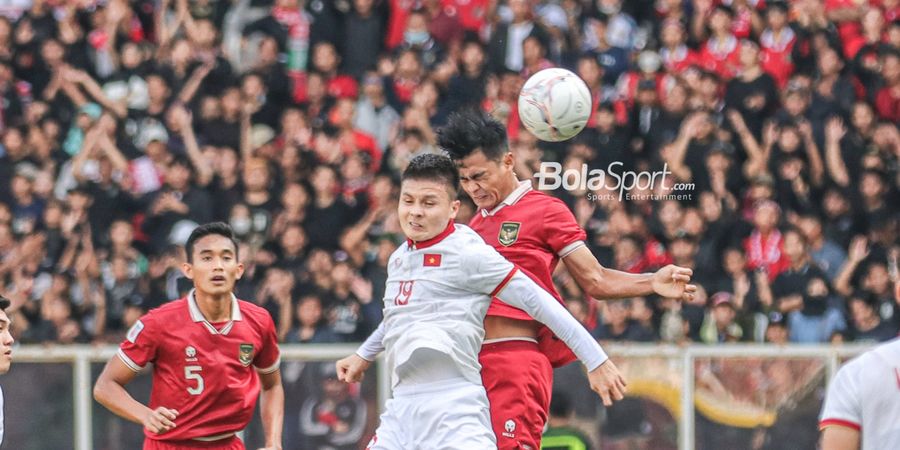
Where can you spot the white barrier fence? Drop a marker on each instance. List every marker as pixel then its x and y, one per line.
pixel 81 357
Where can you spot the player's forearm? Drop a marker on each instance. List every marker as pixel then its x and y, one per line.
pixel 602 283
pixel 610 284
pixel 272 412
pixel 373 345
pixel 116 399
pixel 522 292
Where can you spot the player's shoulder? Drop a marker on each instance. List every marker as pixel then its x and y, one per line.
pixel 464 235
pixel 167 311
pixel 252 311
pixel 541 203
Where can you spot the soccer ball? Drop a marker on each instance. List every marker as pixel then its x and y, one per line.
pixel 554 104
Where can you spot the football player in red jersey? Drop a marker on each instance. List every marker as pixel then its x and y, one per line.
pixel 210 352
pixel 534 231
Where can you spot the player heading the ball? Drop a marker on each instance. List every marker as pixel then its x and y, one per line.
pixel 440 284
pixel 210 354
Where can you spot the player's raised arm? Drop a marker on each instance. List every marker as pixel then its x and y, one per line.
pixel 352 368
pixel 110 392
pixel 603 283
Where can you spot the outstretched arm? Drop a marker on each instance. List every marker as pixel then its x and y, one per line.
pixel 604 284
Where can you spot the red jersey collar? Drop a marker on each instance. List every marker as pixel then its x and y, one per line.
pixel 514 196
pixel 451 227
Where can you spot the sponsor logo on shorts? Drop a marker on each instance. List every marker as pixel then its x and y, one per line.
pixel 510 427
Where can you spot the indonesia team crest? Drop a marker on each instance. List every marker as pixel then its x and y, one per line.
pixel 509 233
pixel 246 354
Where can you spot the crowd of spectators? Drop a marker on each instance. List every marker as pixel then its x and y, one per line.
pixel 124 124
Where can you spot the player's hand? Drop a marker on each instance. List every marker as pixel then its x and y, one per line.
pixel 606 381
pixel 160 420
pixel 352 369
pixel 672 282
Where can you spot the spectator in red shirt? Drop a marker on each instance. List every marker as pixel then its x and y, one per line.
pixel 777 42
pixel 676 56
pixel 721 51
pixel 765 245
pixel 887 101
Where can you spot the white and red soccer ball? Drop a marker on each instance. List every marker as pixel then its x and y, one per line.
pixel 554 104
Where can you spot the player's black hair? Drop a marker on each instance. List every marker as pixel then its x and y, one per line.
pixel 470 131
pixel 4 303
pixel 219 228
pixel 435 168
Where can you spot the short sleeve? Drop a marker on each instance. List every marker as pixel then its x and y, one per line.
pixel 842 406
pixel 269 357
pixel 140 344
pixel 561 230
pixel 486 270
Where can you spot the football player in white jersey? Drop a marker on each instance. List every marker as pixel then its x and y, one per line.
pixel 862 407
pixel 440 284
pixel 6 342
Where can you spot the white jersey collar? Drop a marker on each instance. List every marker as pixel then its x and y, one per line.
pixel 197 316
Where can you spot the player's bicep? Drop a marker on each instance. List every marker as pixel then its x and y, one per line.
pixel 117 371
pixel 836 437
pixel 270 380
pixel 583 266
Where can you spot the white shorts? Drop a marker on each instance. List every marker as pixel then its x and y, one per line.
pixel 446 415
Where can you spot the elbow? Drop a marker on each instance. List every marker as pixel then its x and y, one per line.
pixel 99 392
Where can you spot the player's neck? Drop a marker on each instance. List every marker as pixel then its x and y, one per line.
pixel 215 308
pixel 507 189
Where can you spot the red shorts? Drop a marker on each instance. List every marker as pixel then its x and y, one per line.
pixel 232 443
pixel 519 380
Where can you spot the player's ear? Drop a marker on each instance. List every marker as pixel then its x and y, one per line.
pixel 240 271
pixel 508 160
pixel 454 209
pixel 188 270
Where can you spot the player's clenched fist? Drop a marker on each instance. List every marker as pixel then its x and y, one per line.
pixel 608 382
pixel 352 368
pixel 160 420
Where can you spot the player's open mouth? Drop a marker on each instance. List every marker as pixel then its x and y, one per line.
pixel 218 279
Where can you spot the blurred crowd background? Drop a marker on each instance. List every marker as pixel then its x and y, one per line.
pixel 125 124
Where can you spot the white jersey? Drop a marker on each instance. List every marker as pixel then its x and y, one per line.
pixel 437 295
pixel 865 395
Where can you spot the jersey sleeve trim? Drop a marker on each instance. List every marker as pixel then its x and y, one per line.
pixel 270 369
pixel 504 282
pixel 128 361
pixel 825 423
pixel 567 250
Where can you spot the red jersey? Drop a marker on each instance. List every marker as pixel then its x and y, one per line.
pixel 532 230
pixel 721 56
pixel 206 373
